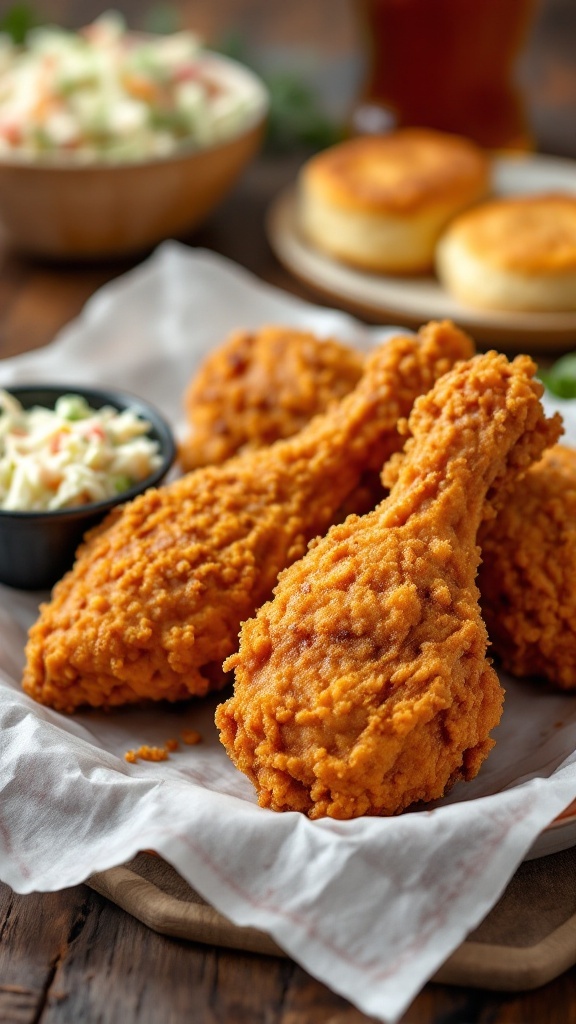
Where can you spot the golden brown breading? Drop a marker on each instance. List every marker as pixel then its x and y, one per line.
pixel 155 599
pixel 528 574
pixel 364 686
pixel 261 386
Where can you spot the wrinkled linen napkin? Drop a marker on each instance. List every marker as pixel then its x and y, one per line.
pixel 372 907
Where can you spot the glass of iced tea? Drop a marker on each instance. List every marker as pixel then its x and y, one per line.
pixel 445 64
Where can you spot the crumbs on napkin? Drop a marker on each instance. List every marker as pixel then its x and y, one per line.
pixel 191 737
pixel 146 753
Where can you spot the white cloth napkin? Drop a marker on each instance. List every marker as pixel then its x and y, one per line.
pixel 372 907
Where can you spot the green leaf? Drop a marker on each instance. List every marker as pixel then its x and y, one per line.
pixel 295 116
pixel 560 379
pixel 162 20
pixel 18 21
pixel 233 46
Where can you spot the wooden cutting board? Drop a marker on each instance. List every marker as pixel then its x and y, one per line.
pixel 526 940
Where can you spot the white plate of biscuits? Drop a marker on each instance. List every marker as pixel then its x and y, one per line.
pixel 502 243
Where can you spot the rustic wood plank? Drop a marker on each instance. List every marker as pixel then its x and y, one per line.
pixel 33 932
pixel 80 958
pixel 445 1004
pixel 115 969
pixel 37 299
pixel 19 1005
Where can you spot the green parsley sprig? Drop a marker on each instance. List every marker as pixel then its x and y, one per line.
pixel 560 379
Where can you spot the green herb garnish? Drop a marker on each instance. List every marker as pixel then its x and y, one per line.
pixel 163 19
pixel 18 21
pixel 560 379
pixel 295 116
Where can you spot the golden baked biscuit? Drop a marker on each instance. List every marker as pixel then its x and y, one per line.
pixel 515 253
pixel 381 202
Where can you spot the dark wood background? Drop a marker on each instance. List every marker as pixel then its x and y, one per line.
pixel 72 957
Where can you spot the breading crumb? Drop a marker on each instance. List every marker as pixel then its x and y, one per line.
pixel 190 737
pixel 172 744
pixel 145 753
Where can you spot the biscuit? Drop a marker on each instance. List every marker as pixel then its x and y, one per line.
pixel 381 202
pixel 516 254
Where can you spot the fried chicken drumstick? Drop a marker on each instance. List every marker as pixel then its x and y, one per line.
pixel 528 574
pixel 155 599
pixel 261 386
pixel 363 686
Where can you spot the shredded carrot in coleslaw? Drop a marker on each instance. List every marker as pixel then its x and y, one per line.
pixel 70 455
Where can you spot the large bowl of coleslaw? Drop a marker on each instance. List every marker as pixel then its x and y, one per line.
pixel 67 457
pixel 111 141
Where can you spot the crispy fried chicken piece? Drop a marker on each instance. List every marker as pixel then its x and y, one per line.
pixel 527 578
pixel 363 686
pixel 155 599
pixel 261 386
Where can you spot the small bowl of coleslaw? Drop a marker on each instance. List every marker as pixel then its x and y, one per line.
pixel 67 457
pixel 112 141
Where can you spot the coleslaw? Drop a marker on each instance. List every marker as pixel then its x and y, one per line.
pixel 71 455
pixel 104 93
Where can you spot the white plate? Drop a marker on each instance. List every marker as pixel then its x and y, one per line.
pixel 410 301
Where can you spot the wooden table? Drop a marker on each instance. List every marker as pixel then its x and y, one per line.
pixel 71 957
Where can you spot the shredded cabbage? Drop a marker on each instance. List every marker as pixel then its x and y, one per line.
pixel 103 93
pixel 70 455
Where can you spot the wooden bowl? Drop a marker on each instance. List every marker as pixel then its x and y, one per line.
pixel 59 209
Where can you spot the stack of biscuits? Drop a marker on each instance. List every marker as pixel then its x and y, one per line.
pixel 416 200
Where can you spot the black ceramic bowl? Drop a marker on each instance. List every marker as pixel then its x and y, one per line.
pixel 36 548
